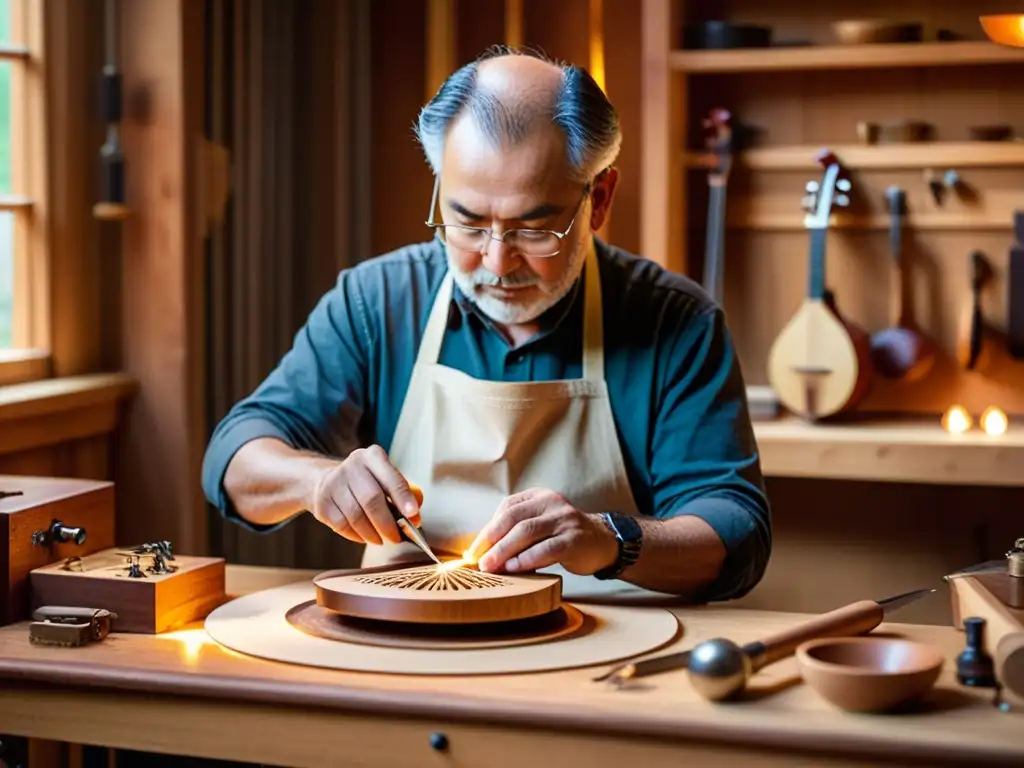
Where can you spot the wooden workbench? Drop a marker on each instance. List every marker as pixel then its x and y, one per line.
pixel 182 694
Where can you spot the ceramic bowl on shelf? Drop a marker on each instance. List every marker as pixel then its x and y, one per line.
pixel 869 674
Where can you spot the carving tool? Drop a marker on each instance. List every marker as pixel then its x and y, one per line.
pixel 411 533
pixel 720 667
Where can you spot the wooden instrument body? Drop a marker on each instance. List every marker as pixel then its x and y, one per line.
pixel 438 594
pixel 820 364
pixel 85 504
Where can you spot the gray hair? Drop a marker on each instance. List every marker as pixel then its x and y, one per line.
pixel 581 110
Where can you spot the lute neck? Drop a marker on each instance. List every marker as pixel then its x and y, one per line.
pixel 816 283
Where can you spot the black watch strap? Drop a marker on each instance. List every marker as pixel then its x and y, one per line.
pixel 630 537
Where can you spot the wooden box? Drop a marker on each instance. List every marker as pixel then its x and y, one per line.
pixel 148 604
pixel 29 507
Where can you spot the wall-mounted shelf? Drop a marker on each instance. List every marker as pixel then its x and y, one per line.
pixel 878 56
pixel 965 154
pixel 911 451
pixel 14 202
pixel 742 217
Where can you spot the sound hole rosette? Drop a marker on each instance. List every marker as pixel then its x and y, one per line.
pixel 436 594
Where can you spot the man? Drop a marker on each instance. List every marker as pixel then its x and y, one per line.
pixel 560 404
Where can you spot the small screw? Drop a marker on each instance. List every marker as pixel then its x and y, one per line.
pixel 439 742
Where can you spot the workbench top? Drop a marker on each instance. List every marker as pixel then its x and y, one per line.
pixel 952 724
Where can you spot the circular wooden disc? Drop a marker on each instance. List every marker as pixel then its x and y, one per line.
pixel 255 625
pixel 320 622
pixel 434 594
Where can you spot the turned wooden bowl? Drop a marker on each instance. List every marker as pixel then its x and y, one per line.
pixel 867 31
pixel 869 674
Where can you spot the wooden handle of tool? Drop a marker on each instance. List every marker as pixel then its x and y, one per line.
pixel 848 621
pixel 1009 663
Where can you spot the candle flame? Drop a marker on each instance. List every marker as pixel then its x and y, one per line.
pixel 956 420
pixel 994 421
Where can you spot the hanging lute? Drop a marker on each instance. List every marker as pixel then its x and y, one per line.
pixel 820 363
pixel 718 142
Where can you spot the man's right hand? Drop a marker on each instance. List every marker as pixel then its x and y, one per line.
pixel 349 497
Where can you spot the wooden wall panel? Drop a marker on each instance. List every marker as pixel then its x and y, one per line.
pixel 162 443
pixel 401 177
pixel 622 69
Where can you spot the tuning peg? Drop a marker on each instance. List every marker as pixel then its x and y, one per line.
pixel 843 185
pixel 812 186
pixel 842 200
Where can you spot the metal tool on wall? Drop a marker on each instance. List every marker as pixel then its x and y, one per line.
pixel 112 204
pixel 719 668
pixel 1015 291
pixel 972 344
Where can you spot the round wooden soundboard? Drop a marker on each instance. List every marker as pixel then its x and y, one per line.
pixel 438 594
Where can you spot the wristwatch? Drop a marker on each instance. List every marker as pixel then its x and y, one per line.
pixel 630 537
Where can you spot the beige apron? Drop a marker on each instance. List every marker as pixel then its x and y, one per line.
pixel 469 443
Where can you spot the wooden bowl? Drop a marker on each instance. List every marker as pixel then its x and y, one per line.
pixel 867 31
pixel 868 674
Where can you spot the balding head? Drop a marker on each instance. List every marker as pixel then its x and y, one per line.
pixel 510 96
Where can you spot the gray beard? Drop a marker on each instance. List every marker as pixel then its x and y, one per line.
pixel 514 312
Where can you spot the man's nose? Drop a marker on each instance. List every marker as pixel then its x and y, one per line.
pixel 500 258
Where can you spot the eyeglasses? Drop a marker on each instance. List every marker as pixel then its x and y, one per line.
pixel 535 243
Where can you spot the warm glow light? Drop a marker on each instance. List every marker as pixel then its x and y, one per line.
pixel 956 420
pixel 1005 29
pixel 451 565
pixel 190 643
pixel 994 421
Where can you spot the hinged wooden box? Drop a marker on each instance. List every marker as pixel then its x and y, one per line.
pixel 44 520
pixel 150 591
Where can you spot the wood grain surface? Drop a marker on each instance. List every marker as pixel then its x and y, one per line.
pixel 178 681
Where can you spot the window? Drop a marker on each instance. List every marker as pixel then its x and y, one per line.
pixel 23 318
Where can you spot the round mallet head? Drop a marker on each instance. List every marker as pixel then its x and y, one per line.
pixel 718 669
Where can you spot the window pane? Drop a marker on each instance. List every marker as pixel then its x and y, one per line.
pixel 6 277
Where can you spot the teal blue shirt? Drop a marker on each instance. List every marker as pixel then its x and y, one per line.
pixel 676 390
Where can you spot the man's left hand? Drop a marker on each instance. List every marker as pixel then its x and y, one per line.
pixel 537 528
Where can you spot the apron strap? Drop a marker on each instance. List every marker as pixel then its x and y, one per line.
pixel 437 322
pixel 593 321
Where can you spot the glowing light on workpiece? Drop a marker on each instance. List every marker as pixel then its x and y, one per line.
pixel 994 421
pixel 956 420
pixel 451 565
pixel 1004 29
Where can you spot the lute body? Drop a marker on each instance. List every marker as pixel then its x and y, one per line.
pixel 820 363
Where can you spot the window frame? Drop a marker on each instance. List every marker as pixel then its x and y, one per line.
pixel 29 359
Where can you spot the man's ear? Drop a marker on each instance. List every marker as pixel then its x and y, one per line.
pixel 602 196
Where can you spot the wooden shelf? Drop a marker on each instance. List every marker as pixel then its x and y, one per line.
pixel 962 154
pixel 953 221
pixel 878 56
pixel 898 451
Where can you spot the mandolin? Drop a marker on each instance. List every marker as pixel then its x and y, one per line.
pixel 718 141
pixel 820 363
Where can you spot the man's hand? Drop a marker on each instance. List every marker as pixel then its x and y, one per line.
pixel 538 528
pixel 349 497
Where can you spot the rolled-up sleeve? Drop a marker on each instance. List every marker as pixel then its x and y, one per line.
pixel 313 400
pixel 704 459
